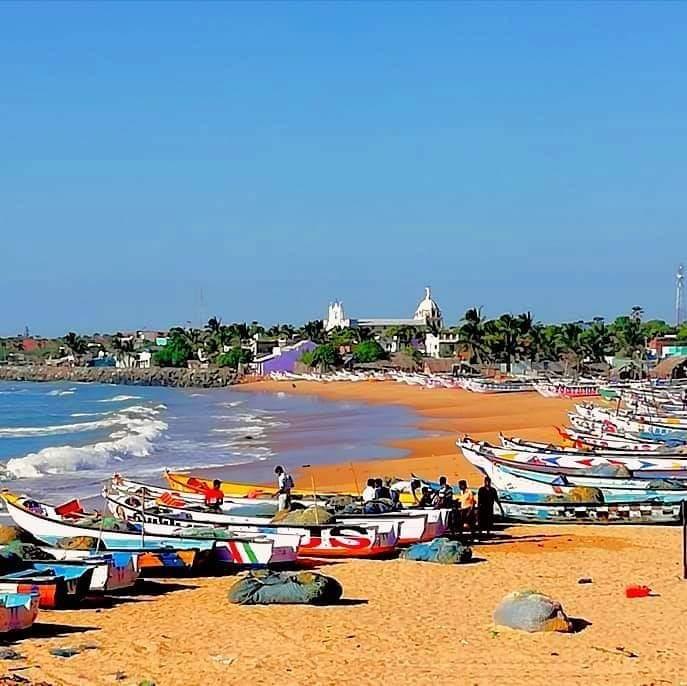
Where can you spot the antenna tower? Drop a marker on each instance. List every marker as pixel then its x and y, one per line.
pixel 680 296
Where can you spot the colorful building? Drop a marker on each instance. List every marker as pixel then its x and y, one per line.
pixel 282 359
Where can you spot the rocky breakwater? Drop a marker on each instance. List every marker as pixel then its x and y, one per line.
pixel 155 376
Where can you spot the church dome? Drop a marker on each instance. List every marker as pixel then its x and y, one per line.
pixel 428 311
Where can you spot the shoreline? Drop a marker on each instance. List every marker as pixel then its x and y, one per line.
pixel 442 414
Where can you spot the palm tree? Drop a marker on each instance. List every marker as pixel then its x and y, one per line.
pixel 242 330
pixel 403 334
pixel 471 335
pixel 506 337
pixel 124 349
pixel 76 344
pixel 213 326
pixel 313 330
pixel 596 340
pixel 570 345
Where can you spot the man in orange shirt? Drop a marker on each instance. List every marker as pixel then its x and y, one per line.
pixel 214 497
pixel 466 514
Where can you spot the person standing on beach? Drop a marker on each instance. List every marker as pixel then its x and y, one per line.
pixel 466 513
pixel 285 484
pixel 487 497
pixel 369 491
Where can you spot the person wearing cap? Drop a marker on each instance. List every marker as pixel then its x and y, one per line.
pixel 285 484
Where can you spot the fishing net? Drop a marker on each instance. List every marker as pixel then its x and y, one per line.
pixel 439 550
pixel 342 503
pixel 9 534
pixel 531 611
pixel 77 543
pixel 606 469
pixel 578 494
pixel 307 517
pixel 27 551
pixel 270 588
pixel 257 510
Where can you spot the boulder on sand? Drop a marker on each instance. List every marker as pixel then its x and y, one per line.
pixel 531 611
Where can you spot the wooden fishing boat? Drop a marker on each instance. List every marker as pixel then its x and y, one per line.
pixel 18 611
pixel 326 540
pixel 414 524
pixel 483 458
pixel 44 523
pixel 518 444
pixel 664 462
pixel 567 389
pixel 491 386
pixel 58 585
pixel 511 478
pixel 148 561
pixel 187 483
pixel 111 571
pixel 607 442
pixel 524 507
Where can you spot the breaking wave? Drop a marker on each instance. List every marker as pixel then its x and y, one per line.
pixel 69 391
pixel 120 399
pixel 137 429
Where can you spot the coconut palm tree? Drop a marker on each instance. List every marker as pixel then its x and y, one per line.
pixel 213 326
pixel 124 351
pixel 596 340
pixel 505 338
pixel 313 330
pixel 570 345
pixel 471 335
pixel 75 343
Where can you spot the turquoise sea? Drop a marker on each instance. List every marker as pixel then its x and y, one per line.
pixel 59 440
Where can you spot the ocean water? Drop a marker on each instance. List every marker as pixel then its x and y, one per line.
pixel 59 440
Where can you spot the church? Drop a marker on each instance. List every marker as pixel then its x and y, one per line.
pixel 427 319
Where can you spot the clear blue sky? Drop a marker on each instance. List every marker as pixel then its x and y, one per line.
pixel 276 156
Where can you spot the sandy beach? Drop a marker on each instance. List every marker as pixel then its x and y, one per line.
pixel 403 620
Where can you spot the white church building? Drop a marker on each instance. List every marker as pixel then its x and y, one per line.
pixel 427 318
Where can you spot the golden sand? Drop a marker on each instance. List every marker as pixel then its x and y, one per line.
pixel 402 621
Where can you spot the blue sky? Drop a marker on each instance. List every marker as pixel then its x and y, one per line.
pixel 277 156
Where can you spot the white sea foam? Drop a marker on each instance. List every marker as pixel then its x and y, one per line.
pixel 135 439
pixel 71 391
pixel 120 399
pixel 88 414
pixel 233 403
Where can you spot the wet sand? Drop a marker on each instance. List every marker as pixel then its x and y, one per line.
pixel 405 621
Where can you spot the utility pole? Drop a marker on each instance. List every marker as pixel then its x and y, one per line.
pixel 680 296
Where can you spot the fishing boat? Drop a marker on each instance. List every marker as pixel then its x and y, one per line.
pixel 484 457
pixel 568 458
pixel 609 441
pixel 111 571
pixel 512 478
pixel 567 389
pixel 492 386
pixel 326 540
pixel 44 523
pixel 58 585
pixel 519 444
pixel 187 483
pixel 18 611
pixel 527 507
pixel 148 560
pixel 414 524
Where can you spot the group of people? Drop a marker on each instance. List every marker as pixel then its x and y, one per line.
pixel 467 512
pixel 378 489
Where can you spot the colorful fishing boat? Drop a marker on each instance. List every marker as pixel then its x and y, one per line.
pixel 326 540
pixel 527 507
pixel 18 611
pixel 492 386
pixel 44 523
pixel 413 524
pixel 58 585
pixel 111 571
pixel 187 483
pixel 663 462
